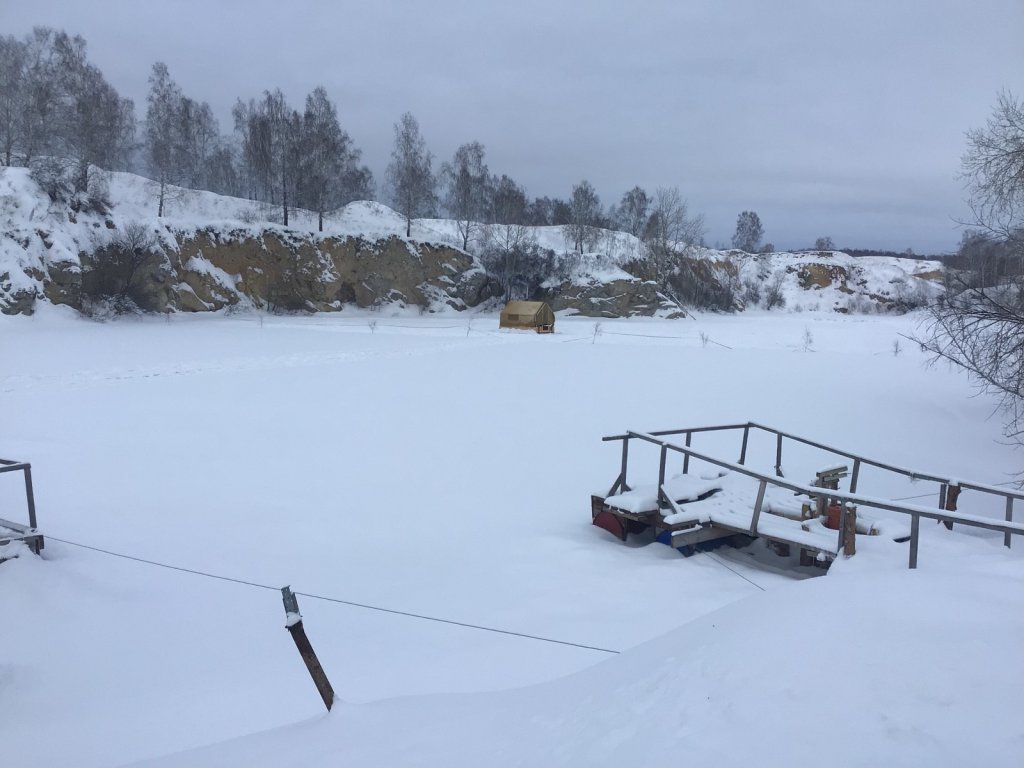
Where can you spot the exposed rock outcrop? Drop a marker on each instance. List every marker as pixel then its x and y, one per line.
pixel 209 269
pixel 614 298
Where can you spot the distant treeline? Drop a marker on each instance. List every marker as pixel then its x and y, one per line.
pixel 60 117
pixel 907 254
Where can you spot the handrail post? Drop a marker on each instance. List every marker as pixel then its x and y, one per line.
pixel 661 476
pixel 778 454
pixel 942 496
pixel 842 528
pixel 1009 519
pixel 855 476
pixel 757 507
pixel 625 461
pixel 686 457
pixel 743 448
pixel 30 497
pixel 915 529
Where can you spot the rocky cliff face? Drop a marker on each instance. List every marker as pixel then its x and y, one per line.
pixel 213 252
pixel 288 271
pixel 612 298
pixel 210 269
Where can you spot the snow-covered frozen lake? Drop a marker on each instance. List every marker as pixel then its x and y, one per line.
pixel 433 465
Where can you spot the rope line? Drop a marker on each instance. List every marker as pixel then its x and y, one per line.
pixel 721 563
pixel 456 623
pixel 338 600
pixel 163 565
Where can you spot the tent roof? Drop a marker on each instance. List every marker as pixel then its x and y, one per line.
pixel 524 307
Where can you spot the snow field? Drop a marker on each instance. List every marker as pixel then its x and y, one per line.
pixel 426 469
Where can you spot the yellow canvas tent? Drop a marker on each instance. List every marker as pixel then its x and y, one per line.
pixel 529 315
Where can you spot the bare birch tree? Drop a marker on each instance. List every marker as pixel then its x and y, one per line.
pixel 411 181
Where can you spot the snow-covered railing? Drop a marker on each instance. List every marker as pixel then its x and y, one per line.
pixel 916 511
pixel 28 533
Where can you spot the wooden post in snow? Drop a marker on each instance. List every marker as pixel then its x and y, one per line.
pixel 294 626
pixel 952 494
pixel 849 530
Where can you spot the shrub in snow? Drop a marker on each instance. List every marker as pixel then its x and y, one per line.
pixel 773 296
pixel 119 277
pixel 751 293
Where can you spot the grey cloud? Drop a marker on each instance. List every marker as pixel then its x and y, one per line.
pixel 839 118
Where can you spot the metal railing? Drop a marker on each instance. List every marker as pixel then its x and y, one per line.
pixel 8 465
pixel 915 511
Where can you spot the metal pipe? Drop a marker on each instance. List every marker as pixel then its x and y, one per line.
pixel 661 476
pixel 915 529
pixel 30 497
pixel 889 467
pixel 1009 519
pixel 868 501
pixel 625 461
pixel 757 507
pixel 778 455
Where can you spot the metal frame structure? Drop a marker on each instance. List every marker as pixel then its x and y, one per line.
pixel 27 533
pixel 916 511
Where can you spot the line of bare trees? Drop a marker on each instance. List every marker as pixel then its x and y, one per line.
pixel 978 324
pixel 59 115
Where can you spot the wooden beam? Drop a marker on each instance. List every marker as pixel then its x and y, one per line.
pixel 778 455
pixel 743 447
pixel 699 535
pixel 297 631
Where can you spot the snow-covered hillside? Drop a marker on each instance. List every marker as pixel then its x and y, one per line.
pixel 48 251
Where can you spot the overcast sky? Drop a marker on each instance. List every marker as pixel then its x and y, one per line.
pixel 832 118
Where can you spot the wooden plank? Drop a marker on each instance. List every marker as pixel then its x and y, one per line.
pixel 700 535
pixel 687 523
pixel 305 648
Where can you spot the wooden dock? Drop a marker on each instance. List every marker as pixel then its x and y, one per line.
pixel 737 503
pixel 27 532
